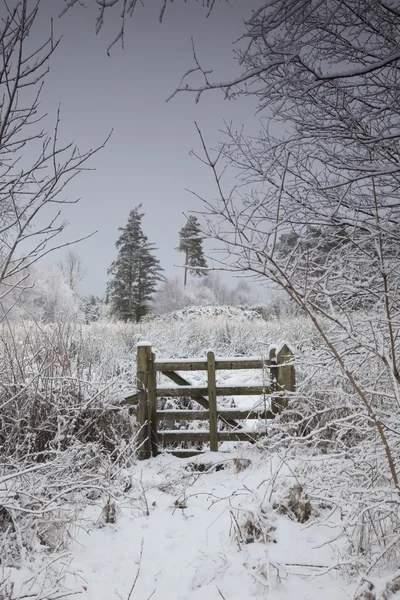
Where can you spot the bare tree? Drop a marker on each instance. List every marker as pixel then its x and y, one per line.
pixel 353 302
pixel 329 71
pixel 126 9
pixel 72 269
pixel 34 167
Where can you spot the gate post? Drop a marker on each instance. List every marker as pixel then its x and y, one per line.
pixel 152 398
pixel 212 401
pixel 143 359
pixel 285 379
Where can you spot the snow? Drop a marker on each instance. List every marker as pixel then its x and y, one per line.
pixel 195 312
pixel 179 532
pixel 279 347
pixel 175 538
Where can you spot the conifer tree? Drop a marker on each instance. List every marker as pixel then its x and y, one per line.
pixel 191 243
pixel 135 272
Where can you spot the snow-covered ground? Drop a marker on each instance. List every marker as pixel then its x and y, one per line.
pixel 211 527
pixel 223 525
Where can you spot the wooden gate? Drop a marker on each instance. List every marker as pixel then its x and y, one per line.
pixel 281 381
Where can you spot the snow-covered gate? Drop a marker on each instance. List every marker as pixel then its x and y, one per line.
pixel 151 439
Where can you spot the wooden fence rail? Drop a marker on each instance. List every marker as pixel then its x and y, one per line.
pixel 282 382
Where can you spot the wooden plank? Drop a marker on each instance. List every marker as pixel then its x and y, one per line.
pixel 143 418
pixel 195 437
pixel 285 379
pixel 183 382
pixel 180 435
pixel 203 415
pixel 201 365
pixel 212 400
pixel 244 414
pixel 180 392
pixel 152 398
pixel 273 370
pixel 242 390
pixel 185 453
pixel 199 399
pixel 183 415
pixel 179 365
pixel 287 375
pixel 130 400
pixel 222 390
pixel 231 364
pixel 240 436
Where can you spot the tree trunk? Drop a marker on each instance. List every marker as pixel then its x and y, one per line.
pixel 186 268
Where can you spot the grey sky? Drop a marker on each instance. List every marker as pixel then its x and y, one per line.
pixel 147 159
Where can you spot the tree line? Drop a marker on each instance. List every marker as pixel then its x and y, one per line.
pixel 136 272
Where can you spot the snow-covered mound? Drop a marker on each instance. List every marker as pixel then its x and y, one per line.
pixel 236 312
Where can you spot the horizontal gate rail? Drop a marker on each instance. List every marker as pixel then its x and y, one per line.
pixel 204 415
pixel 190 391
pixel 167 437
pixel 221 390
pixel 201 365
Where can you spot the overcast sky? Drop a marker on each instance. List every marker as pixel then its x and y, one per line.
pixel 147 159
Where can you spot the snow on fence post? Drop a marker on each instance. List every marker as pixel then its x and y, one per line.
pixel 285 379
pixel 212 401
pixel 143 362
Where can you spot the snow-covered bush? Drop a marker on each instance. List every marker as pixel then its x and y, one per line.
pixel 92 308
pixel 209 291
pixel 59 386
pixel 45 297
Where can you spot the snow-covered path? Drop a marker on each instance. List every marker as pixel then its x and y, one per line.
pixel 191 544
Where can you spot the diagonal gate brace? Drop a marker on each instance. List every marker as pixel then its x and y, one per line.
pixel 179 380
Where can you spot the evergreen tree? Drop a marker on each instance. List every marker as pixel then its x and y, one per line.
pixel 135 272
pixel 191 243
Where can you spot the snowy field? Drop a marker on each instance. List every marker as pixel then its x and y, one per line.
pixel 211 527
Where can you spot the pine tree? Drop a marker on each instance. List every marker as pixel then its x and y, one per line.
pixel 191 243
pixel 135 272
